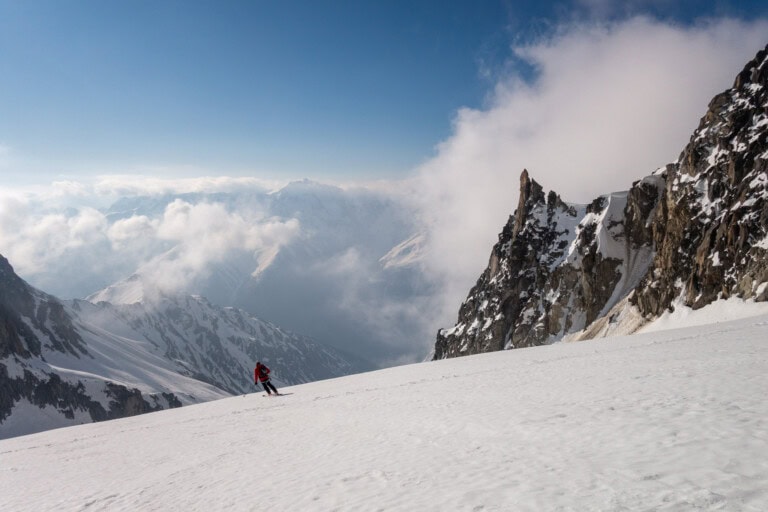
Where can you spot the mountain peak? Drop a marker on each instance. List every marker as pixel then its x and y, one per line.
pixel 690 233
pixel 754 72
pixel 307 185
pixel 531 195
pixel 31 321
pixel 8 277
pixel 530 190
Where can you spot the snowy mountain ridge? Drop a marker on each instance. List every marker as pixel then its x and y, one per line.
pixel 70 362
pixel 556 269
pixel 690 233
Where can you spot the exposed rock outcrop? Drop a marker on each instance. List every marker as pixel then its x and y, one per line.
pixel 30 320
pixel 34 327
pixel 694 231
pixel 555 269
pixel 711 232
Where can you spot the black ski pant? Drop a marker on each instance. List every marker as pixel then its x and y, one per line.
pixel 267 385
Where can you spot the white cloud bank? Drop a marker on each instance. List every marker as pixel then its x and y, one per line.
pixel 32 239
pixel 148 185
pixel 206 233
pixel 199 235
pixel 608 105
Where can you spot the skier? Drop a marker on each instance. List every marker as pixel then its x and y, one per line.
pixel 261 374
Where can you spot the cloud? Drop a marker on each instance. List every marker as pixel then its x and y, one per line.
pixel 215 230
pixel 126 233
pixel 602 9
pixel 55 243
pixel 609 104
pixel 102 190
pixel 33 240
pixel 203 234
pixel 55 236
pixel 68 188
pixel 375 312
pixel 143 185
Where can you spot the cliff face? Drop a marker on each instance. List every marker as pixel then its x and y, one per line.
pixel 35 330
pixel 694 231
pixel 710 233
pixel 556 268
pixel 46 322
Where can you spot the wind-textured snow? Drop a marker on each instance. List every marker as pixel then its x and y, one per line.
pixel 673 420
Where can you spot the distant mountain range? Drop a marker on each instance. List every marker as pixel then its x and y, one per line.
pixel 348 277
pixel 690 233
pixel 69 362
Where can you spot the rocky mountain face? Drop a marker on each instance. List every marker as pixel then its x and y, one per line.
pixel 710 231
pixel 34 325
pixel 690 233
pixel 70 362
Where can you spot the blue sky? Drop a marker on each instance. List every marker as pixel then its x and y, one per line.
pixel 325 89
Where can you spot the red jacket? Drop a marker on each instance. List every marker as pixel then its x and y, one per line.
pixel 261 373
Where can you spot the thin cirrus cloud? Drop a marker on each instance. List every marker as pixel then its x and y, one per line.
pixel 609 103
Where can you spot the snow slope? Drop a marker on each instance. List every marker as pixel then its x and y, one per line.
pixel 217 345
pixel 132 358
pixel 667 420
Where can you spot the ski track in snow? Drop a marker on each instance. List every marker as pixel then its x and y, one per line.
pixel 674 420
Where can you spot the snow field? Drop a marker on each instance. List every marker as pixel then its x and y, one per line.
pixel 672 420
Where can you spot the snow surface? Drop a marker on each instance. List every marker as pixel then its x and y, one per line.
pixel 668 420
pixel 719 311
pixel 410 252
